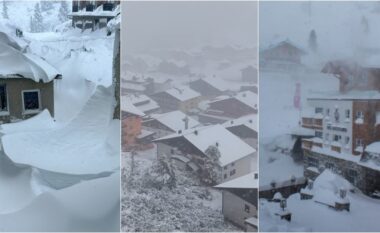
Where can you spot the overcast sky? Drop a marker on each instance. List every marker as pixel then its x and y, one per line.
pixel 155 25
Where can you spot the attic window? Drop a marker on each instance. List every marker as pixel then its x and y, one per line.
pixel 3 98
pixel 31 100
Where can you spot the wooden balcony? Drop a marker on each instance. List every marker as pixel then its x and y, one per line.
pixel 312 123
pixel 307 144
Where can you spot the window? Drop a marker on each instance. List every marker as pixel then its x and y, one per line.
pixel 318 110
pixel 31 100
pixel 232 172
pixel 336 115
pixel 3 98
pixel 347 113
pixel 246 208
pixel 313 162
pixel 225 176
pixel 337 138
pixel 347 140
pixel 232 164
pixel 318 134
pixel 327 137
pixel 327 111
pixel 359 142
pixel 359 114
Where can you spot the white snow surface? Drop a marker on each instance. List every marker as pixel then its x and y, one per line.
pixel 246 182
pixel 78 148
pixel 183 93
pixel 127 106
pixel 174 120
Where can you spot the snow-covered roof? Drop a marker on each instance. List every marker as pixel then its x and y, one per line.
pixel 280 42
pixel 243 182
pixel 247 97
pixel 14 63
pixel 249 120
pixel 142 102
pixel 175 120
pixel 252 221
pixel 97 12
pixel 127 106
pixel 373 148
pixel 219 84
pixel 183 93
pixel 203 137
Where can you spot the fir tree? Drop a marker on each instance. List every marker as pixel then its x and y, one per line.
pixel 37 20
pixel 313 45
pixel 211 171
pixel 63 12
pixel 5 9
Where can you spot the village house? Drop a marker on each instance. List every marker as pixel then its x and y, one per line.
pixel 245 128
pixel 346 126
pixel 177 98
pixel 133 85
pixel 226 108
pixel 282 56
pixel 249 74
pixel 93 14
pixel 131 125
pixel 169 123
pixel 143 103
pixel 26 82
pixel 209 87
pixel 353 76
pixel 193 143
pixel 239 201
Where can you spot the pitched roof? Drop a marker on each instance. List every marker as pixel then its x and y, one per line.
pixel 142 102
pixel 183 93
pixel 247 97
pixel 243 182
pixel 249 120
pixel 227 142
pixel 127 106
pixel 175 120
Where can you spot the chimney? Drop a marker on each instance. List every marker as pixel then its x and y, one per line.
pixel 186 120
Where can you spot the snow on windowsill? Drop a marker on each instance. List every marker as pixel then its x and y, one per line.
pixel 359 121
pixel 4 113
pixel 28 112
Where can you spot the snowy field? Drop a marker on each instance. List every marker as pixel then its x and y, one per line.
pixel 150 205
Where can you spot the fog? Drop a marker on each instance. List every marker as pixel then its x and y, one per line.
pixel 185 25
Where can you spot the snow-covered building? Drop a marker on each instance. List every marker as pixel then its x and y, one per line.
pixel 193 143
pixel 346 127
pixel 282 56
pixel 225 108
pixel 245 128
pixel 353 76
pixel 177 98
pixel 142 102
pixel 131 125
pixel 26 82
pixel 209 87
pixel 249 74
pixel 93 14
pixel 239 201
pixel 169 123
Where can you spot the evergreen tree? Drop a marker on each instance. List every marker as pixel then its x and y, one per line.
pixel 5 9
pixel 37 21
pixel 211 171
pixel 63 12
pixel 365 25
pixel 313 45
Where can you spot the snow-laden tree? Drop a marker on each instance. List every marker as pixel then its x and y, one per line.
pixel 211 170
pixel 63 12
pixel 5 10
pixel 46 5
pixel 37 20
pixel 161 174
pixel 313 45
pixel 364 25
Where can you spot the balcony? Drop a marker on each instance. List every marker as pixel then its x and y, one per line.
pixel 312 123
pixel 307 144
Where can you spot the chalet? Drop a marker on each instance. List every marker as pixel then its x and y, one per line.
pixel 143 103
pixel 177 98
pixel 131 125
pixel 249 74
pixel 239 201
pixel 169 123
pixel 26 82
pixel 346 126
pixel 208 87
pixel 226 108
pixel 193 143
pixel 245 128
pixel 283 56
pixel 353 76
pixel 93 14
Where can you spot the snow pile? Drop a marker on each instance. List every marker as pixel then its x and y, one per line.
pixel 84 149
